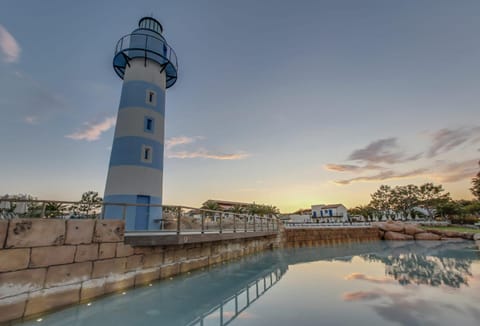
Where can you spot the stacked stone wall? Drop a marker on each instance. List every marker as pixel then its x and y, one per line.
pixel 310 237
pixel 46 264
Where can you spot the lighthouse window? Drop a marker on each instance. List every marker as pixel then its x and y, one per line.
pixel 149 125
pixel 151 97
pixel 146 154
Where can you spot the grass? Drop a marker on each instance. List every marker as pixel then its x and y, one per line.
pixel 453 228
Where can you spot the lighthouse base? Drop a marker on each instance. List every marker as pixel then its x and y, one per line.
pixel 136 210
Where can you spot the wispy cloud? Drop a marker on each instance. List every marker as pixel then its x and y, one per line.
pixel 457 171
pixel 92 131
pixel 445 140
pixel 202 153
pixel 181 140
pixel 31 119
pixel 9 46
pixel 197 153
pixel 382 151
pixel 385 175
pixel 350 167
pixel 363 277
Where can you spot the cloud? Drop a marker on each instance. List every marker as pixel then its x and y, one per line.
pixel 381 151
pixel 9 46
pixel 350 167
pixel 445 140
pixel 197 153
pixel 93 131
pixel 385 175
pixel 457 171
pixel 181 140
pixel 202 153
pixel 363 277
pixel 31 119
pixel 361 296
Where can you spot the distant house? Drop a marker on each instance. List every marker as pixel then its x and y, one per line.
pixel 333 211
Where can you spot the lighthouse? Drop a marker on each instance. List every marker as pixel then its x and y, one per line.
pixel 148 66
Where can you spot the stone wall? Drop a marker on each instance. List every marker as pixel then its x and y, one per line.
pixel 308 237
pixel 46 264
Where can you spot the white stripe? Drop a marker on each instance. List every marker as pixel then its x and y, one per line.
pixel 150 73
pixel 130 180
pixel 130 122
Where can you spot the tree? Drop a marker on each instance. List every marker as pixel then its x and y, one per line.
pixel 90 201
pixel 53 209
pixel 382 201
pixel 211 205
pixel 476 185
pixel 367 211
pixel 404 199
pixel 431 196
pixel 237 209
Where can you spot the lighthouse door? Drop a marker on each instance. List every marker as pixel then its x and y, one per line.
pixel 141 216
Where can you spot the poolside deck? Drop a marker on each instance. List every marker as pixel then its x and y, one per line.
pixel 185 237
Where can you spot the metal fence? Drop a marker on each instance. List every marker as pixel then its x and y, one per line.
pixel 168 218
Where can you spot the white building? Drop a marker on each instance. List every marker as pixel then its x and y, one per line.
pixel 335 211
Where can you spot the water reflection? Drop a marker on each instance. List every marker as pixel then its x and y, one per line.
pixel 406 283
pixel 410 264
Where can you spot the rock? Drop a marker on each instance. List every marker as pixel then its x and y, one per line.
pixel 390 235
pixel 476 236
pixel 412 229
pixel 427 236
pixel 390 226
pixel 35 232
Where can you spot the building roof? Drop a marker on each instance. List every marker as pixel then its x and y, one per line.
pixel 330 206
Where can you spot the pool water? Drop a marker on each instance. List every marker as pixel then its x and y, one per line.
pixel 376 283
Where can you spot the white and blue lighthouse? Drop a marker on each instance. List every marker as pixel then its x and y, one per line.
pixel 148 66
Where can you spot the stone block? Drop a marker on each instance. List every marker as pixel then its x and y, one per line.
pixel 68 274
pixel 54 298
pixel 147 276
pixel 3 232
pixel 14 259
pixel 86 252
pixel 124 250
pixel 79 231
pixel 389 235
pixel 167 271
pixel 427 236
pixel 152 260
pixel 48 256
pixel 92 289
pixel 14 283
pixel 194 252
pixel 109 231
pixel 12 308
pixel 191 265
pixel 35 232
pixel 134 262
pixel 412 229
pixel 215 259
pixel 107 250
pixel 169 256
pixel 116 283
pixel 108 267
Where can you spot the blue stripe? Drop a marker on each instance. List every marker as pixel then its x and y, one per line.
pixel 134 94
pixel 128 151
pixel 116 212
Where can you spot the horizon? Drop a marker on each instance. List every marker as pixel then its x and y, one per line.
pixel 276 103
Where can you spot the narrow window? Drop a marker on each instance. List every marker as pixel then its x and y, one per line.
pixel 149 125
pixel 151 97
pixel 146 154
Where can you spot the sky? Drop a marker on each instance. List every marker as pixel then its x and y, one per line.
pixel 288 103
